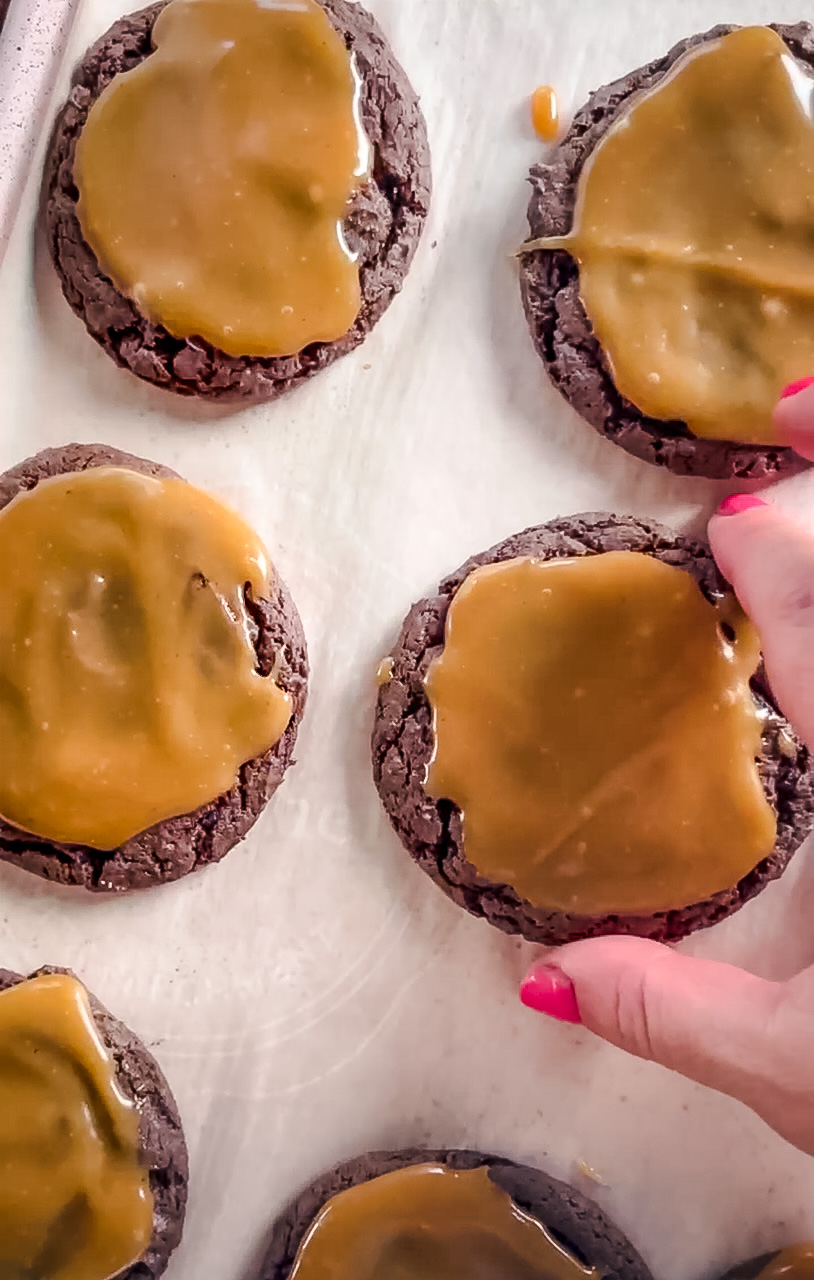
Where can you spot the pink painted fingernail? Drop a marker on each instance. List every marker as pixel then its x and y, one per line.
pixel 737 503
pixel 794 387
pixel 547 989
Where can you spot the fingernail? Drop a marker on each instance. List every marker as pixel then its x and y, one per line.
pixel 736 503
pixel 548 990
pixel 794 387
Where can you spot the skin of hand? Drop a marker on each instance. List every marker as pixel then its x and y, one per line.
pixel 727 1029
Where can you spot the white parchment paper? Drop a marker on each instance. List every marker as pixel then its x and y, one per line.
pixel 314 995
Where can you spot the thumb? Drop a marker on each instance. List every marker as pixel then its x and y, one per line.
pixel 717 1025
pixel 770 562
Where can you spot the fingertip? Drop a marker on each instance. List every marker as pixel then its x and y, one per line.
pixel 794 417
pixel 598 950
pixel 594 965
pixel 547 989
pixel 737 503
pixel 740 522
pixel 794 388
pixel 610 976
pixel 695 1016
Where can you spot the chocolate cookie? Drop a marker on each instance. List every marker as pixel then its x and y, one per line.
pixel 577 1222
pixel 163 1148
pixel 431 830
pixel 177 846
pixel 560 328
pixel 383 225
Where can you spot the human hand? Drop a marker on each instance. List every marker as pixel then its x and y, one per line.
pixel 742 1035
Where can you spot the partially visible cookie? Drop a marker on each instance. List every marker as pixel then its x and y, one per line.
pixel 794 1263
pixel 383 225
pixel 431 829
pixel 177 846
pixel 576 1222
pixel 560 328
pixel 161 1136
pixel 751 1270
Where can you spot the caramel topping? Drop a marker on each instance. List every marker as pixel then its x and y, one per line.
pixel 545 112
pixel 693 231
pixel 128 683
pixel 594 724
pixel 791 1263
pixel 75 1203
pixel 384 672
pixel 430 1222
pixel 214 177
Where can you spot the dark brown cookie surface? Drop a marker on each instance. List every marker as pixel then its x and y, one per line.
pixel 560 328
pixel 431 830
pixel 576 1221
pixel 163 1148
pixel 383 226
pixel 177 846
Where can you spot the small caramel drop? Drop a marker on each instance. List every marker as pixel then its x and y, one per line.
pixel 545 112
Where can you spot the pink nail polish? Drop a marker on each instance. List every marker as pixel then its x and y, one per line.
pixel 794 387
pixel 737 503
pixel 547 989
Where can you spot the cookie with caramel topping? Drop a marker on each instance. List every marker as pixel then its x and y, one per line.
pixel 162 1148
pixel 566 339
pixel 604 784
pixel 258 634
pixel 586 1242
pixel 381 228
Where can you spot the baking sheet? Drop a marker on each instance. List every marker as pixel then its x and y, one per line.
pixel 314 995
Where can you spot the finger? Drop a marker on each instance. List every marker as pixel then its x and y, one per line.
pixel 709 1021
pixel 770 562
pixel 794 417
